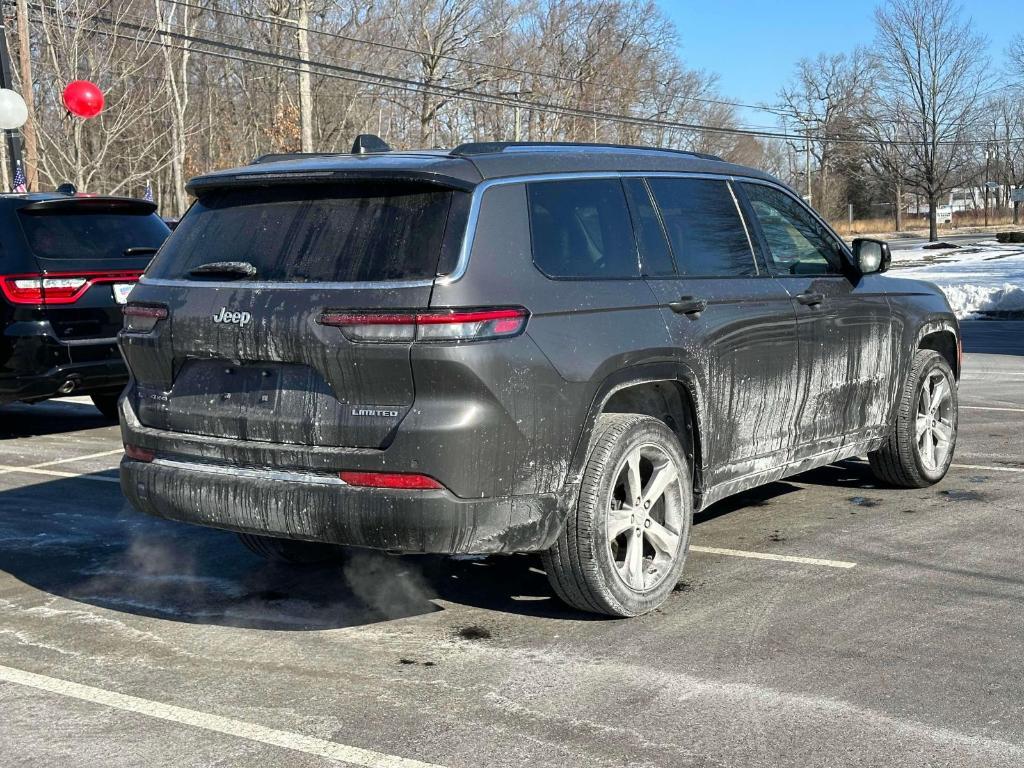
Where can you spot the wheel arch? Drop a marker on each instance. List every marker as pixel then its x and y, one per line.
pixel 667 392
pixel 942 337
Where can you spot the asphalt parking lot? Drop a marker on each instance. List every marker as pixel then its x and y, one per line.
pixel 821 621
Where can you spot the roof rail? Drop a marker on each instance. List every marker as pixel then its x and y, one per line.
pixel 274 156
pixel 490 147
pixel 365 143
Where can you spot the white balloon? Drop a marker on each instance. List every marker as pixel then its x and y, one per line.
pixel 13 112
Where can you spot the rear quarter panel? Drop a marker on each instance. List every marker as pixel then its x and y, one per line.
pixel 583 331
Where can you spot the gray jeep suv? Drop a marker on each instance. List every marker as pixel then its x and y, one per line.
pixel 564 349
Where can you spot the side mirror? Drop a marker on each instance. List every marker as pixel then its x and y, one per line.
pixel 871 256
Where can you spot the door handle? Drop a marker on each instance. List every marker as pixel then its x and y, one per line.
pixel 810 299
pixel 688 305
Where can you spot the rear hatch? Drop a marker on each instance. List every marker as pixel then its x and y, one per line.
pixel 246 279
pixel 89 252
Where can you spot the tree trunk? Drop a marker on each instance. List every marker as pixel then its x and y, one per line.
pixel 1016 212
pixel 933 217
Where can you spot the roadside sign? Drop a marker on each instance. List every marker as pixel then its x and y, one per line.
pixel 1017 195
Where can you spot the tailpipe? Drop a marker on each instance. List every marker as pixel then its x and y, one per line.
pixel 70 385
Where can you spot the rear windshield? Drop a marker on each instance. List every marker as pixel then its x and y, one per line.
pixel 338 233
pixel 90 234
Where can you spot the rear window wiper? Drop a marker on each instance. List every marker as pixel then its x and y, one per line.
pixel 140 250
pixel 235 269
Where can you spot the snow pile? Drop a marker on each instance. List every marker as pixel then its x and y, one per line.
pixel 980 280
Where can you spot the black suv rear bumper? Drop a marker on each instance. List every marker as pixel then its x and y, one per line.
pixel 36 365
pixel 319 507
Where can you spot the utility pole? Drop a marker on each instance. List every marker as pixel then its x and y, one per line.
pixel 7 81
pixel 517 109
pixel 807 161
pixel 28 131
pixel 305 85
pixel 988 160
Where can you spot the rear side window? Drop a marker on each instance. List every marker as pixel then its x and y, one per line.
pixel 655 256
pixel 90 234
pixel 314 233
pixel 582 229
pixel 704 227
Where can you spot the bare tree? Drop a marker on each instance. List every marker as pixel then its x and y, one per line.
pixel 826 96
pixel 932 69
pixel 176 56
pixel 194 85
pixel 118 148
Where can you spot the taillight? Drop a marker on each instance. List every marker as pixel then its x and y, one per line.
pixel 397 480
pixel 142 318
pixel 428 325
pixel 57 288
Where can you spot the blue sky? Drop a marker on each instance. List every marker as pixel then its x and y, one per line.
pixel 754 45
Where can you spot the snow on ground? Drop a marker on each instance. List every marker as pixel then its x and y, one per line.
pixel 983 279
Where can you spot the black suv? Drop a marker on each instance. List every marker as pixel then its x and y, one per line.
pixel 66 265
pixel 517 348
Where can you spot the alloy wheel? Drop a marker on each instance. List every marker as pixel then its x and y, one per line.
pixel 933 428
pixel 645 517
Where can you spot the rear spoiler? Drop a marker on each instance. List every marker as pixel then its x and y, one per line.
pixel 254 178
pixel 127 205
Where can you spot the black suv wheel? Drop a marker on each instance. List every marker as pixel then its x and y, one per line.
pixel 919 450
pixel 624 545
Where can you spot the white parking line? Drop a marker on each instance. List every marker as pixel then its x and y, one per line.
pixel 767 556
pixel 296 742
pixel 991 469
pixel 78 458
pixel 977 375
pixel 5 470
pixel 989 408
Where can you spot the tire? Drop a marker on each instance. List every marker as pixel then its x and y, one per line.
pixel 107 405
pixel 919 450
pixel 588 567
pixel 291 551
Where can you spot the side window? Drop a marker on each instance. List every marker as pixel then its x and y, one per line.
pixel 655 257
pixel 704 227
pixel 582 229
pixel 797 243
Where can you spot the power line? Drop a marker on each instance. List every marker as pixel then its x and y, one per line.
pixel 487 65
pixel 365 77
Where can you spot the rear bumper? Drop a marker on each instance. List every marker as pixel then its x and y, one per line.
pixel 319 507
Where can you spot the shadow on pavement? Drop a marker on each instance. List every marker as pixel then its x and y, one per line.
pixel 80 539
pixel 994 337
pixel 50 417
pixel 850 473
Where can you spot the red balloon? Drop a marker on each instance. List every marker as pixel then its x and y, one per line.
pixel 83 98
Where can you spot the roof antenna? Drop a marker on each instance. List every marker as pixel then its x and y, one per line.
pixel 366 143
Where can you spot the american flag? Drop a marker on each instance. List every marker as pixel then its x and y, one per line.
pixel 20 187
pixel 148 194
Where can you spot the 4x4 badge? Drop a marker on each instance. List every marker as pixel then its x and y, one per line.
pixel 235 318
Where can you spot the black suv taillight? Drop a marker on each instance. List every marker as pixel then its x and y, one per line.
pixel 428 325
pixel 57 287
